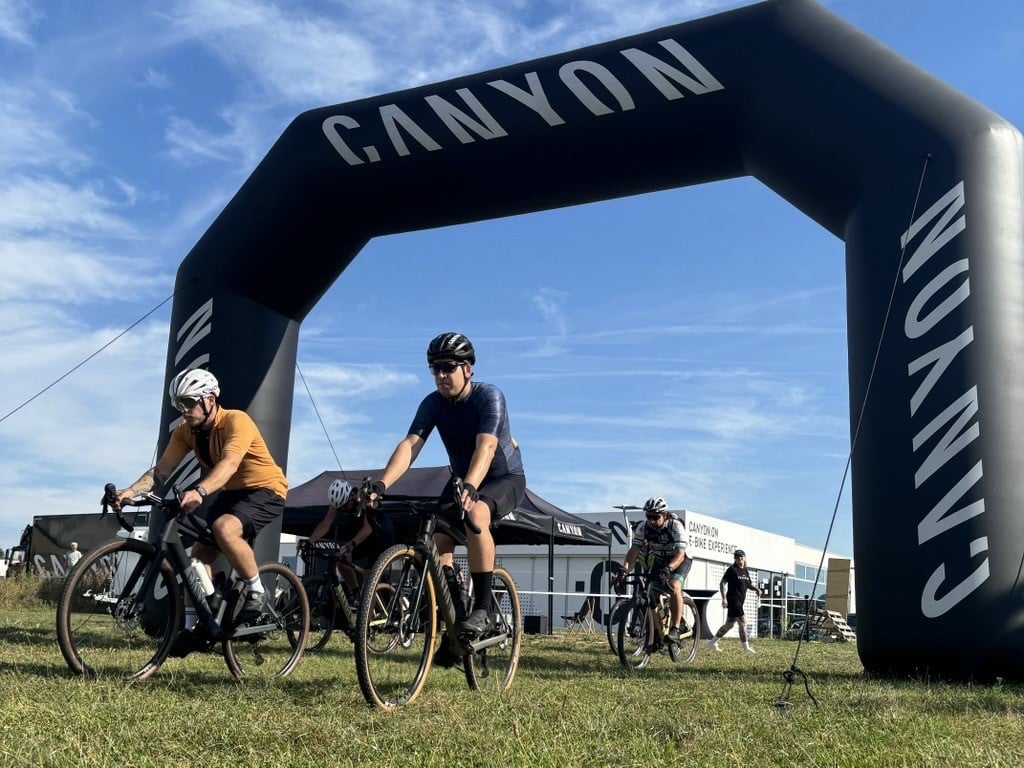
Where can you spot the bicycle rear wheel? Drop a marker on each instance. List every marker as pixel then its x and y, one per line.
pixel 118 612
pixel 323 610
pixel 493 668
pixel 275 649
pixel 636 633
pixel 395 629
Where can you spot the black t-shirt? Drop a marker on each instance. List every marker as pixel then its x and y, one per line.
pixel 737 581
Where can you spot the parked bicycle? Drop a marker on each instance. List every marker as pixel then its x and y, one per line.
pixel 643 622
pixel 122 608
pixel 395 642
pixel 332 603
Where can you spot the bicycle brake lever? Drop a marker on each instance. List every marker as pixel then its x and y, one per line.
pixel 458 487
pixel 109 497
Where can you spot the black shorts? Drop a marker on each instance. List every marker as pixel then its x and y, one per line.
pixel 255 508
pixel 734 608
pixel 501 494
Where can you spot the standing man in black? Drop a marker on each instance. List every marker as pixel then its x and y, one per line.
pixel 734 586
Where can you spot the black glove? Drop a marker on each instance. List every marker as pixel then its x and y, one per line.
pixel 664 575
pixel 371 488
pixel 471 492
pixel 620 579
pixel 345 551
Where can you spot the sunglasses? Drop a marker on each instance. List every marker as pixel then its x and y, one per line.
pixel 443 367
pixel 653 517
pixel 185 403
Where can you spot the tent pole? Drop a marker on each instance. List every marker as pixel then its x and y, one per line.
pixel 608 573
pixel 551 579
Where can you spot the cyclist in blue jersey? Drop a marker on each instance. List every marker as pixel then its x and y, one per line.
pixel 472 420
pixel 665 540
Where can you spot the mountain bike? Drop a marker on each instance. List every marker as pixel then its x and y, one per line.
pixel 643 626
pixel 332 603
pixel 395 642
pixel 121 612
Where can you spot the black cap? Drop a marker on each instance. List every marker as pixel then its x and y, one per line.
pixel 739 553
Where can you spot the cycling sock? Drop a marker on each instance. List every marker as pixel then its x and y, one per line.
pixel 482 589
pixel 254 584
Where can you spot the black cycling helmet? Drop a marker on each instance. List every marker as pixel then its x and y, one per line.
pixel 451 346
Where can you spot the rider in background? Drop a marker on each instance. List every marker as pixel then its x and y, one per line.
pixel 235 461
pixel 472 420
pixel 665 539
pixel 375 534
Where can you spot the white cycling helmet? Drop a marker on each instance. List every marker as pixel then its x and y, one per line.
pixel 655 506
pixel 194 384
pixel 339 493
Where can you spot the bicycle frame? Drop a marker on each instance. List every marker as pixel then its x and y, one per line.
pixel 168 546
pixel 424 545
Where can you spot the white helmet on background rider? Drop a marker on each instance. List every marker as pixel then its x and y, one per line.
pixel 339 493
pixel 193 384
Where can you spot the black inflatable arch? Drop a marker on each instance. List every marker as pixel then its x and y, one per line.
pixel 784 91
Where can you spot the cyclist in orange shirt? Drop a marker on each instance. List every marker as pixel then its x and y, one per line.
pixel 236 462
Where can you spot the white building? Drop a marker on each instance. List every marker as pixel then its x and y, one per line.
pixel 784 568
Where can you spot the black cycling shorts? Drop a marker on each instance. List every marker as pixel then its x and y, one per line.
pixel 255 508
pixel 501 495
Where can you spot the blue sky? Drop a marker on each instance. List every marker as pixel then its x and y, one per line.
pixel 689 344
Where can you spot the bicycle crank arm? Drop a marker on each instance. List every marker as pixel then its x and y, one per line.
pixel 487 642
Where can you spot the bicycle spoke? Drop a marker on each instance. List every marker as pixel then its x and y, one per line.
pixel 635 635
pixel 106 625
pixel 493 668
pixel 394 632
pixel 323 610
pixel 278 646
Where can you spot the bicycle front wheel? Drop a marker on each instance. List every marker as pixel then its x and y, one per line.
pixel 493 667
pixel 272 645
pixel 614 617
pixel 119 612
pixel 395 628
pixel 323 609
pixel 636 634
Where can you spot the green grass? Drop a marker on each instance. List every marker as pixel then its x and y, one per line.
pixel 570 705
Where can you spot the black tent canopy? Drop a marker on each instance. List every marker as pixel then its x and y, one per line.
pixel 533 522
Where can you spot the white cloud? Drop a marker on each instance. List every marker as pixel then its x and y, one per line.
pixel 58 270
pixel 34 117
pixel 549 302
pixel 16 20
pixel 34 204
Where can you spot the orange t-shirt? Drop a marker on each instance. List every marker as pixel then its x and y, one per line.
pixel 236 432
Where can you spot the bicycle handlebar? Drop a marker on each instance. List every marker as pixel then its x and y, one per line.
pixel 148 499
pixel 457 487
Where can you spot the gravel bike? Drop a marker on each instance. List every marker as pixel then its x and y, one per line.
pixel 395 642
pixel 643 623
pixel 332 603
pixel 121 612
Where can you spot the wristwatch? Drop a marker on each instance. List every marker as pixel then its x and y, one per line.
pixel 201 491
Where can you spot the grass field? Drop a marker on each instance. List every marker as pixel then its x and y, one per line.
pixel 571 705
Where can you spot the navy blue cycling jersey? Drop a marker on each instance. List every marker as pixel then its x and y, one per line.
pixel 458 424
